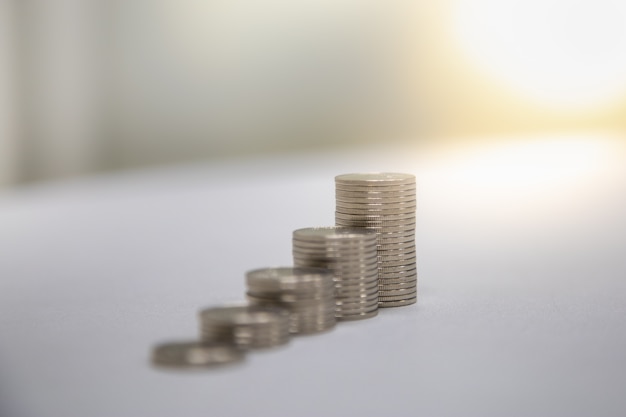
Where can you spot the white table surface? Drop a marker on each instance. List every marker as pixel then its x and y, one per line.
pixel 522 290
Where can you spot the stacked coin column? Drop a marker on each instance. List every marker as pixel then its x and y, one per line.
pixel 384 203
pixel 244 326
pixel 351 254
pixel 307 293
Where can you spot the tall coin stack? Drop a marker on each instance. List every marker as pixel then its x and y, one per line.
pixel 385 203
pixel 307 293
pixel 351 255
pixel 244 326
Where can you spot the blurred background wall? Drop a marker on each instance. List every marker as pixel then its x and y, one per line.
pixel 91 85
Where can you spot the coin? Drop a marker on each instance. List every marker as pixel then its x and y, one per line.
pixel 388 292
pixel 384 298
pixel 400 303
pixel 311 308
pixel 288 278
pixel 349 253
pixel 195 354
pixel 375 177
pixel 376 217
pixel 245 326
pixel 360 315
pixel 384 203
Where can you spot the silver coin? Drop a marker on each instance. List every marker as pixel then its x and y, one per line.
pixel 293 298
pixel 375 207
pixel 357 280
pixel 382 202
pixel 369 178
pixel 349 292
pixel 383 190
pixel 366 311
pixel 371 211
pixel 395 255
pixel 391 220
pixel 398 279
pixel 333 265
pixel 195 354
pixel 399 303
pixel 384 298
pixel 383 185
pixel 374 191
pixel 358 297
pixel 388 292
pixel 242 314
pixel 392 264
pixel 388 253
pixel 377 202
pixel 297 308
pixel 388 235
pixel 398 275
pixel 247 337
pixel 355 296
pixel 307 304
pixel 356 307
pixel 288 278
pixel 387 240
pixel 403 228
pixel 396 260
pixel 352 280
pixel 358 316
pixel 386 225
pixel 347 247
pixel 396 246
pixel 400 241
pixel 392 202
pixel 356 291
pixel 352 249
pixel 353 285
pixel 333 255
pixel 385 237
pixel 382 269
pixel 400 282
pixel 337 247
pixel 370 194
pixel 375 217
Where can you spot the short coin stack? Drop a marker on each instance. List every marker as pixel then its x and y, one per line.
pixel 244 326
pixel 351 254
pixel 195 354
pixel 307 293
pixel 385 203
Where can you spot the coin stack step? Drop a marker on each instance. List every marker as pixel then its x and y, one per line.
pixel 307 293
pixel 195 354
pixel 384 203
pixel 245 326
pixel 351 255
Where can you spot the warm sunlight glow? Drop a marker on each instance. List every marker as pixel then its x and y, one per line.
pixel 565 54
pixel 531 164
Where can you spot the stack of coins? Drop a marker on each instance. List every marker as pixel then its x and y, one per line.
pixel 307 293
pixel 195 354
pixel 351 254
pixel 244 326
pixel 385 203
